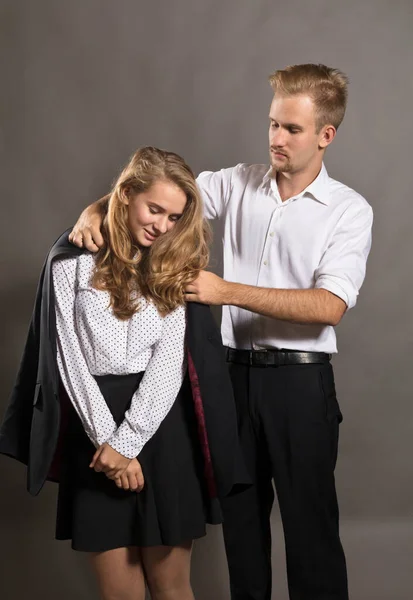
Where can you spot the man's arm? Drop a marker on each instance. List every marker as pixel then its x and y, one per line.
pixel 86 233
pixel 338 279
pixel 215 189
pixel 296 306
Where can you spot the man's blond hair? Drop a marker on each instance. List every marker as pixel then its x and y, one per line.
pixel 326 87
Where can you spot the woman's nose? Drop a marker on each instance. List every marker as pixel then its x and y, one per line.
pixel 161 224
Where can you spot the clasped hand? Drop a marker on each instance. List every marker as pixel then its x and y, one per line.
pixel 125 472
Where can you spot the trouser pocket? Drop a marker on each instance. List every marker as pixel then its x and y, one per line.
pixel 333 413
pixel 328 389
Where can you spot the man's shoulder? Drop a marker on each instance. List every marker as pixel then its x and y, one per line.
pixel 240 171
pixel 340 193
pixel 251 170
pixel 247 174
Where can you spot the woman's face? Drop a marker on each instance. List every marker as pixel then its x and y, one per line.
pixel 154 212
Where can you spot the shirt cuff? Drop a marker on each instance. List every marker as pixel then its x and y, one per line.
pixel 335 287
pixel 97 440
pixel 126 441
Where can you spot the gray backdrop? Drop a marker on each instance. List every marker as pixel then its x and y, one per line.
pixel 84 84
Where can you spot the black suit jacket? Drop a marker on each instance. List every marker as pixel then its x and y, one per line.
pixel 31 426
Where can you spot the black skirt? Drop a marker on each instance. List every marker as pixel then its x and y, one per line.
pixel 173 506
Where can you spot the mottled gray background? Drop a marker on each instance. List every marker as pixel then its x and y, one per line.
pixel 86 82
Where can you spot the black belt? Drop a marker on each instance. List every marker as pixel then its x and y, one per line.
pixel 276 358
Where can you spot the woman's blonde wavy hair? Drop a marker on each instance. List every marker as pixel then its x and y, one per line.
pixel 161 272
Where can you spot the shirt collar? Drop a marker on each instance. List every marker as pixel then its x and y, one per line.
pixel 267 176
pixel 319 189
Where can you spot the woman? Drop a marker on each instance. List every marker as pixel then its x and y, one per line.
pixel 146 445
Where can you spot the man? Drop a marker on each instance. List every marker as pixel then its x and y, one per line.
pixel 295 249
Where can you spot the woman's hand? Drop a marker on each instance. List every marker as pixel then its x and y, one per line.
pixel 109 461
pixel 132 478
pixel 86 232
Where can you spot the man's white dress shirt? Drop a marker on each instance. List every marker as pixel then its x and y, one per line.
pixel 318 239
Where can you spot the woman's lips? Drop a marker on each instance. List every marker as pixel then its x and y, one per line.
pixel 149 236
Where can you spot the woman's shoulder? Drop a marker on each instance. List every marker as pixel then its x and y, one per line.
pixel 176 316
pixel 86 260
pixel 78 267
pixel 179 312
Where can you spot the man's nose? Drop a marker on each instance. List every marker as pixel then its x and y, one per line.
pixel 278 138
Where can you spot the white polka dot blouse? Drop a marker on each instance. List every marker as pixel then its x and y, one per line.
pixel 91 340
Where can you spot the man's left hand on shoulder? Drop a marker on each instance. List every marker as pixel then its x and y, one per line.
pixel 208 288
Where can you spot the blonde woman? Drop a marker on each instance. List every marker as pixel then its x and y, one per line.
pixel 148 438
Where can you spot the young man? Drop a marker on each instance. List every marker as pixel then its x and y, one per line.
pixel 295 249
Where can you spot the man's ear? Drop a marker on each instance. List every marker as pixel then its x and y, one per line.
pixel 326 136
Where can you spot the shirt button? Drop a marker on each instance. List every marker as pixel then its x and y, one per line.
pixel 265 263
pixel 272 234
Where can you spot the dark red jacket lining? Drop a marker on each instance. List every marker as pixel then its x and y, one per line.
pixel 202 431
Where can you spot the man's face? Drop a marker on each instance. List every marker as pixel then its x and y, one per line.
pixel 294 141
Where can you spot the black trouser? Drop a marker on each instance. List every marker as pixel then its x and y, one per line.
pixel 288 421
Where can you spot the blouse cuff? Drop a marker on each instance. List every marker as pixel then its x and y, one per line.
pixel 126 441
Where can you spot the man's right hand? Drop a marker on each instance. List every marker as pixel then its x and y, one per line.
pixel 86 233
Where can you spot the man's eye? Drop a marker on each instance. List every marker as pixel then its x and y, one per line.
pixel 153 211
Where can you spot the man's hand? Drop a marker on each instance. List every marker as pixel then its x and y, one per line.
pixel 208 288
pixel 109 461
pixel 132 478
pixel 86 232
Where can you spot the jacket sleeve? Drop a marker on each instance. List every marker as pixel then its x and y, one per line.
pixel 15 428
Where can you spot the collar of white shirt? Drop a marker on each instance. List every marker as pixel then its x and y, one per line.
pixel 319 189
